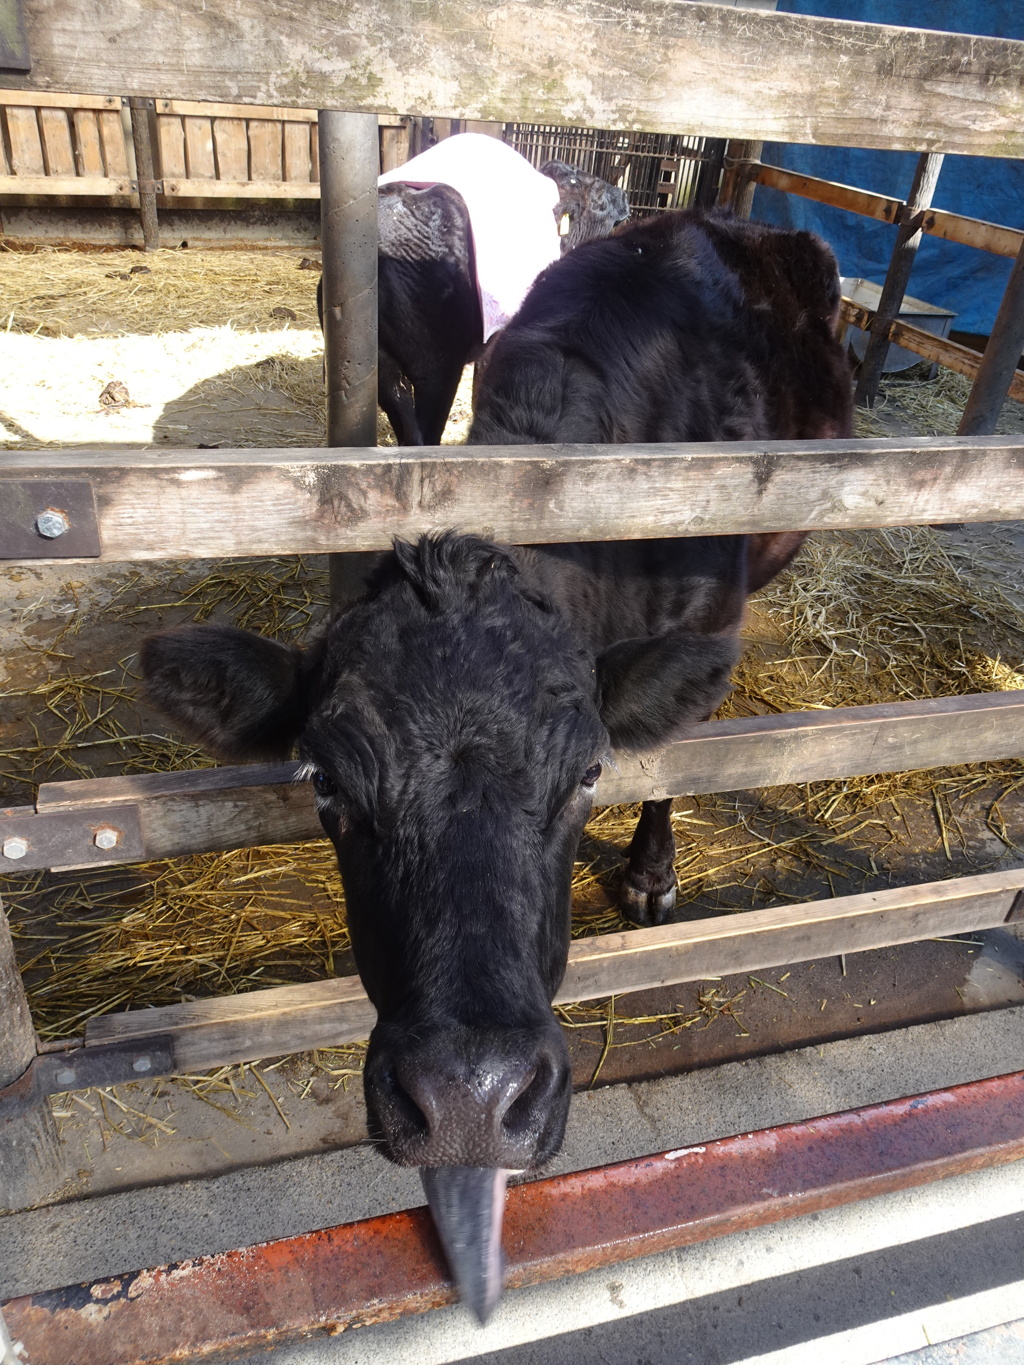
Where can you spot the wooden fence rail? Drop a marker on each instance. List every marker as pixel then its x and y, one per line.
pixel 285 1019
pixel 163 815
pixel 673 67
pixel 185 504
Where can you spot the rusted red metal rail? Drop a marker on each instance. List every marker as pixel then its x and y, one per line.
pixel 382 1268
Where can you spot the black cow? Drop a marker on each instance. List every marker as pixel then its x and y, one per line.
pixel 454 720
pixel 429 318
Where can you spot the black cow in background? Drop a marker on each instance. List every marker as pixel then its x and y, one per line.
pixel 453 721
pixel 429 322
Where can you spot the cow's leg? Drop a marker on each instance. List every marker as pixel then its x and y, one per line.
pixel 435 394
pixel 647 892
pixel 395 395
pixel 768 553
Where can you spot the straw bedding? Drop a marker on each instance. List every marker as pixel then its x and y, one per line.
pixel 862 617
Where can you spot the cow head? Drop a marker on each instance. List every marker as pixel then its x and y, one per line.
pixel 452 727
pixel 587 206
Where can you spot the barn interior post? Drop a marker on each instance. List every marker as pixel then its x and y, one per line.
pixel 349 166
pixel 142 139
pixel 897 277
pixel 995 373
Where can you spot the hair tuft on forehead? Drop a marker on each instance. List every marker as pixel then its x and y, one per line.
pixel 446 567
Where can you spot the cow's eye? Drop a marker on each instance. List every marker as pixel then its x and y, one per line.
pixel 591 775
pixel 323 786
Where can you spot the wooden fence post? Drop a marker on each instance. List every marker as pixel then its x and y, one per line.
pixel 908 239
pixel 17 1034
pixel 145 177
pixel 349 166
pixel 996 371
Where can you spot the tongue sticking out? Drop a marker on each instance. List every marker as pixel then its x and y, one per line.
pixel 468 1203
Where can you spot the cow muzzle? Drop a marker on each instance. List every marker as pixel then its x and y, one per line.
pixel 457 1096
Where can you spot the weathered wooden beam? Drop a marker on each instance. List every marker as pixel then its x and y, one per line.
pixel 102 185
pixel 897 277
pixel 211 809
pixel 951 227
pixel 265 1023
pixel 185 504
pixel 17 1036
pixel 998 368
pixel 669 67
pixel 930 347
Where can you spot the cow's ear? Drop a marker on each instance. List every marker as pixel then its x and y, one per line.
pixel 648 689
pixel 241 696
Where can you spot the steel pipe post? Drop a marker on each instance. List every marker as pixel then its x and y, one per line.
pixel 349 166
pixel 908 239
pixel 998 364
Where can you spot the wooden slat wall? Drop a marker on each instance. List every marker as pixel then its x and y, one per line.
pixel 75 144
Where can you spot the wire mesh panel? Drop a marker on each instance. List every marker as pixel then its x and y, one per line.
pixel 657 171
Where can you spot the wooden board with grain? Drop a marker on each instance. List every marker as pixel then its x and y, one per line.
pixel 185 504
pixel 115 148
pixel 212 809
pixel 241 189
pixel 298 160
pixel 199 159
pixel 64 184
pixel 265 149
pixel 285 1019
pixel 58 152
pixel 661 65
pixel 232 148
pixel 171 146
pixel 26 146
pixel 88 147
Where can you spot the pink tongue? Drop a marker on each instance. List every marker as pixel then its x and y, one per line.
pixel 468 1204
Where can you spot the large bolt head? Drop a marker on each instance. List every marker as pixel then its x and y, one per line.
pixel 51 523
pixel 15 847
pixel 106 838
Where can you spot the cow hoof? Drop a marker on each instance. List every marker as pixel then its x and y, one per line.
pixel 646 908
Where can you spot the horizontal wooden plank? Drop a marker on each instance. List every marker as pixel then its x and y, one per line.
pixel 207 109
pixel 952 227
pixel 238 807
pixel 662 65
pixel 955 227
pixel 51 99
pixel 63 184
pixel 948 353
pixel 240 189
pixel 197 504
pixel 830 192
pixel 286 1019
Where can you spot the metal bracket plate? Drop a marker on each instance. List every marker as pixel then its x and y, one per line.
pixel 68 510
pixel 14 54
pixel 68 839
pixel 79 1068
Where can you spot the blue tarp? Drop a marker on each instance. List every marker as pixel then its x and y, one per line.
pixel 966 281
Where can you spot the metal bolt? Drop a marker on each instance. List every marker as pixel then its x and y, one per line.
pixel 16 847
pixel 142 1064
pixel 65 1076
pixel 106 837
pixel 52 523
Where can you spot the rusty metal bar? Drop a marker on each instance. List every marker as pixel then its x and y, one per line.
pixel 382 1268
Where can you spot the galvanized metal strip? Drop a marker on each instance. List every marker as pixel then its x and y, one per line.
pixel 95 837
pixel 385 1267
pixel 48 519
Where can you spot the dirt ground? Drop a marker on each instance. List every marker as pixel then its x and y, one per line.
pixel 223 348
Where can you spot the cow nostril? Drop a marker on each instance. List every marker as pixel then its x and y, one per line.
pixel 404 1104
pixel 521 1115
